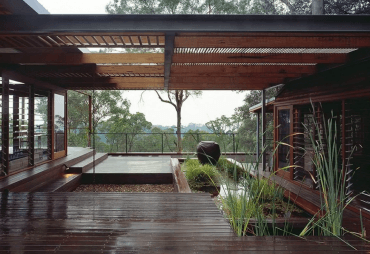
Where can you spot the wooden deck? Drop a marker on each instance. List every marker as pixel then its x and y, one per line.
pixel 41 175
pixel 135 223
pixel 131 170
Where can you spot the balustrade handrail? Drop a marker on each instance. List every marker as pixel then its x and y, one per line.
pixel 161 142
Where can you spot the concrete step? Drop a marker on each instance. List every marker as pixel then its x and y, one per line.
pixel 65 183
pixel 87 164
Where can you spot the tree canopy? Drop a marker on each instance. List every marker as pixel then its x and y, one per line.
pixel 271 7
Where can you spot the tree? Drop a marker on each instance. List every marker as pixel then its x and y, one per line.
pixel 176 98
pixel 194 7
pixel 131 125
pixel 330 6
pixel 106 104
pixel 247 130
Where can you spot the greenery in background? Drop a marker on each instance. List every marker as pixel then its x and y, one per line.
pixel 176 98
pixel 224 127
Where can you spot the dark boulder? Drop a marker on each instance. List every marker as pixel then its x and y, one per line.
pixel 208 152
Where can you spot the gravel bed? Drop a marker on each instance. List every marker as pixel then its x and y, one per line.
pixel 125 188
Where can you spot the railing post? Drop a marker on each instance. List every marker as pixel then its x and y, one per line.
pixel 198 137
pixel 126 142
pixel 162 144
pixel 233 143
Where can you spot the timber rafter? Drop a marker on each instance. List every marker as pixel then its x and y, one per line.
pixel 238 52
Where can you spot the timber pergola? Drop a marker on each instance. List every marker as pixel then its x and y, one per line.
pixel 193 52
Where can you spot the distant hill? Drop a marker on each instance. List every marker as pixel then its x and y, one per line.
pixel 184 129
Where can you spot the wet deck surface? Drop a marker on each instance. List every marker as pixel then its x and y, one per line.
pixel 134 223
pixel 131 170
pixel 134 165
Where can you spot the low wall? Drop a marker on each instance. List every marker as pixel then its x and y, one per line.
pixel 179 180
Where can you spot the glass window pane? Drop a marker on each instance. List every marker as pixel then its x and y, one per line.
pixel 41 127
pixel 18 126
pixel 283 136
pixel 59 127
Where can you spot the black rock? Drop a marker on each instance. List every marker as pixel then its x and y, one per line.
pixel 208 152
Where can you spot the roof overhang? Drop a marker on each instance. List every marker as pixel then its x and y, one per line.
pixel 192 52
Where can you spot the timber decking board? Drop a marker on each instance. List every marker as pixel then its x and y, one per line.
pixel 31 179
pixel 136 223
pixel 88 163
pixel 66 182
pixel 130 170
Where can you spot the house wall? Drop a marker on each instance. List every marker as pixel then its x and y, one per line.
pixel 346 93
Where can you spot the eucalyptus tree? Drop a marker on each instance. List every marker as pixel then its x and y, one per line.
pixel 178 97
pixel 330 6
pixel 106 104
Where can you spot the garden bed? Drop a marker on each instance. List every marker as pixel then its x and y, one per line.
pixel 125 188
pixel 244 199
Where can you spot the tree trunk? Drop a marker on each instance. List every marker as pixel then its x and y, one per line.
pixel 317 7
pixel 179 140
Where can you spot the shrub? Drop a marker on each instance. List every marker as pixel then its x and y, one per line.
pixel 199 175
pixel 264 190
pixel 232 170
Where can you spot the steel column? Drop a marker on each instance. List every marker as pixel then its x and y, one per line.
pixel 258 136
pixel 162 144
pixel 168 52
pixel 51 144
pixel 263 143
pixel 31 126
pixel 5 126
pixel 90 121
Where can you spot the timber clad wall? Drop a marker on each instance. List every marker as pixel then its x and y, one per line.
pixel 342 94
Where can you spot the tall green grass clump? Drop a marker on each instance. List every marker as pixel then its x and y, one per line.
pixel 256 199
pixel 233 171
pixel 199 175
pixel 266 190
pixel 331 179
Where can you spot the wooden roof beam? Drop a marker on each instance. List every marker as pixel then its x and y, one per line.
pixel 218 86
pixel 220 70
pixel 259 58
pixel 224 80
pixel 113 86
pixel 109 80
pixel 79 58
pixel 92 68
pixel 273 42
pixel 29 80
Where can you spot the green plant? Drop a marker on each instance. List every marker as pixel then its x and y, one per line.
pixel 256 199
pixel 232 170
pixel 199 175
pixel 266 190
pixel 331 178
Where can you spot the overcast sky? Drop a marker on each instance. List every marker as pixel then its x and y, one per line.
pixel 209 106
